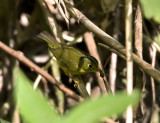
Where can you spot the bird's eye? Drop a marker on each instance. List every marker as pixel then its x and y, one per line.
pixel 90 66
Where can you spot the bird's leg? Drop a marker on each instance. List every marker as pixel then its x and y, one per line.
pixel 76 83
pixel 80 86
pixel 75 79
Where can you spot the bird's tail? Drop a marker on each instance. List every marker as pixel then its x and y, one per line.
pixel 51 41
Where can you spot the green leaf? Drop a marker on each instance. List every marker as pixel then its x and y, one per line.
pixel 32 106
pixel 3 121
pixel 35 109
pixel 151 9
pixel 93 110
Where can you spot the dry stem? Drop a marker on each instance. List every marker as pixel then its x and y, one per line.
pixel 20 56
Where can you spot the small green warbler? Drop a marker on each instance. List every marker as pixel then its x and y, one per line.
pixel 71 60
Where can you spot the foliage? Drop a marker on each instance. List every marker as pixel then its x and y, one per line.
pixel 32 105
pixel 20 23
pixel 35 109
pixel 3 121
pixel 151 9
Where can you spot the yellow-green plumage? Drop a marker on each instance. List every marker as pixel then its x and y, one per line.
pixel 70 59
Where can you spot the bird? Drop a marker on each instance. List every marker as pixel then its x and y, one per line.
pixel 71 60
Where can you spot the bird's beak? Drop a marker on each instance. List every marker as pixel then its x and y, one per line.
pixel 101 72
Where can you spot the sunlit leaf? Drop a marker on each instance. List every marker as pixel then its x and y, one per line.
pixel 151 9
pixel 33 106
pixel 92 111
pixel 3 121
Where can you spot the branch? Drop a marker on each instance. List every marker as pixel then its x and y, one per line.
pixel 129 59
pixel 91 45
pixel 111 42
pixel 20 56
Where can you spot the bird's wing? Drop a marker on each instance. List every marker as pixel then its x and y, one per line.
pixel 68 57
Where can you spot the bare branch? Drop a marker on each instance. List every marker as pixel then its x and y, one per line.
pixel 20 56
pixel 111 42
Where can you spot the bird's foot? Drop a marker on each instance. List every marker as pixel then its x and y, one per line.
pixel 76 83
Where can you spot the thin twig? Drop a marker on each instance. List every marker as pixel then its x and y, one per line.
pixel 138 32
pixel 112 50
pixel 20 56
pixel 151 42
pixel 59 94
pixel 153 57
pixel 114 58
pixel 39 77
pixel 138 43
pixel 90 42
pixel 51 21
pixel 62 9
pixel 129 61
pixel 113 72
